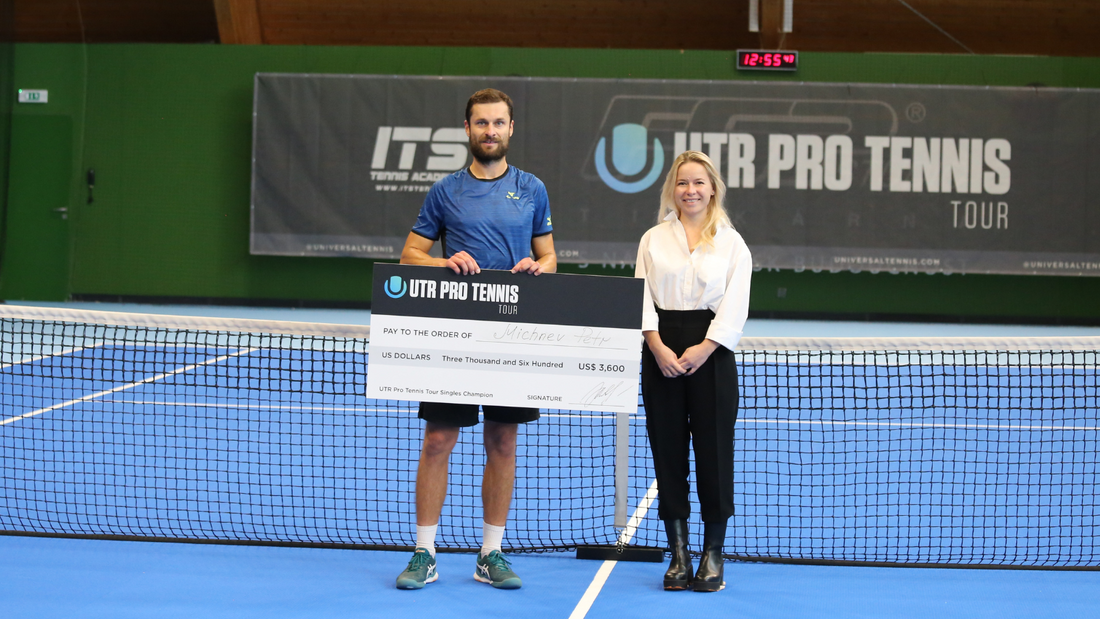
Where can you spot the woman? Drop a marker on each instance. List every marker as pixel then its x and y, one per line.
pixel 697 270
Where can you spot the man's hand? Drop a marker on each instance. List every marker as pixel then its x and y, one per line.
pixel 528 265
pixel 463 263
pixel 546 259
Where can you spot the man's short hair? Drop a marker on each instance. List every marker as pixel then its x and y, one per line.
pixel 488 95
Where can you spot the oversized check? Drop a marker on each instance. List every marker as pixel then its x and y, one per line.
pixel 551 341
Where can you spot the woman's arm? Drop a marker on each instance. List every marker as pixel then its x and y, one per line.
pixel 729 318
pixel 733 310
pixel 666 359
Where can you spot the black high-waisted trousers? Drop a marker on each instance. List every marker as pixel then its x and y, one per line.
pixel 699 409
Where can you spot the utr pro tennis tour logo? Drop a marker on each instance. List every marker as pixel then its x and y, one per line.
pixel 629 146
pixel 395 287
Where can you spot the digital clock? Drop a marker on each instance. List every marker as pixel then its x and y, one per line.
pixel 764 60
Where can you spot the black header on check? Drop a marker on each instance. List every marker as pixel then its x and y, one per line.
pixel 550 298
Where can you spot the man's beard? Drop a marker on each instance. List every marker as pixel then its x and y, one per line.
pixel 485 158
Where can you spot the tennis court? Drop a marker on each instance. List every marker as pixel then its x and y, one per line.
pixel 66 578
pixel 190 189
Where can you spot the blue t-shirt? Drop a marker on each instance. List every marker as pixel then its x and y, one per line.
pixel 492 220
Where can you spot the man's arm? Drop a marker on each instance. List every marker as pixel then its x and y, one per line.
pixel 546 259
pixel 416 252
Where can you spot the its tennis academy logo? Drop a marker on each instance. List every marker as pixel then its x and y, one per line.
pixel 395 287
pixel 444 151
pixel 629 146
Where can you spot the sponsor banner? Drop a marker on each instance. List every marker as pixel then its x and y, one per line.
pixel 820 176
pixel 498 338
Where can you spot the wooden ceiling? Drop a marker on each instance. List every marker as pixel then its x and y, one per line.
pixel 115 21
pixel 1034 27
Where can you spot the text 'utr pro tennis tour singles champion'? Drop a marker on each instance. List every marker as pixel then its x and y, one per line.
pixel 552 341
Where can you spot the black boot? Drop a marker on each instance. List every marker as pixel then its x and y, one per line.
pixel 678 576
pixel 710 574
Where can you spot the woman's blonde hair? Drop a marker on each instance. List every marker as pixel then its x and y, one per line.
pixel 716 212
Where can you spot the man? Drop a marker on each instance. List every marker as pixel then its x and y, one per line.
pixel 494 216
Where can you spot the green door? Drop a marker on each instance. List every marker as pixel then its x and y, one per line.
pixel 35 261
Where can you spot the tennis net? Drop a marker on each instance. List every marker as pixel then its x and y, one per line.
pixel 907 451
pixel 938 452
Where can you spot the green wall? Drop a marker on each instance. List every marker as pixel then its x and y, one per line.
pixel 7 68
pixel 167 129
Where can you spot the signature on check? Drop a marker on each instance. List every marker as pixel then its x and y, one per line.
pixel 601 393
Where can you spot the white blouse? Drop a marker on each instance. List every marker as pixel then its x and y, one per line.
pixel 714 278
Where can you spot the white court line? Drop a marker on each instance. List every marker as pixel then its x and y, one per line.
pixel 605 570
pixel 273 407
pixel 291 407
pixel 865 424
pixel 125 387
pixel 64 351
pixel 915 425
pixel 376 409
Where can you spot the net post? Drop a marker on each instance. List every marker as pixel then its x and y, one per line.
pixel 622 467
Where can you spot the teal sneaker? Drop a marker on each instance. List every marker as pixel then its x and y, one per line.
pixel 420 572
pixel 494 569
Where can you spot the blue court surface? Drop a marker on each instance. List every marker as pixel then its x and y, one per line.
pixel 47 578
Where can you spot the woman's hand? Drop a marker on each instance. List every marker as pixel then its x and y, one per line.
pixel 696 356
pixel 666 359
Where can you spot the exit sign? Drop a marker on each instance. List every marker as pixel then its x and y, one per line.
pixel 33 96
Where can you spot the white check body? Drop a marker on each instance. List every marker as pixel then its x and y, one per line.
pixel 504 363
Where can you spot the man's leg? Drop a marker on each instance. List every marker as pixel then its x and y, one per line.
pixel 496 499
pixel 431 490
pixel 431 474
pixel 500 471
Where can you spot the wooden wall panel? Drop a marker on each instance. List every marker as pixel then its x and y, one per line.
pixel 238 22
pixel 1031 27
pixel 621 24
pixel 115 21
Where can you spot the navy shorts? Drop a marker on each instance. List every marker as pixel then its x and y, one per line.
pixel 465 415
